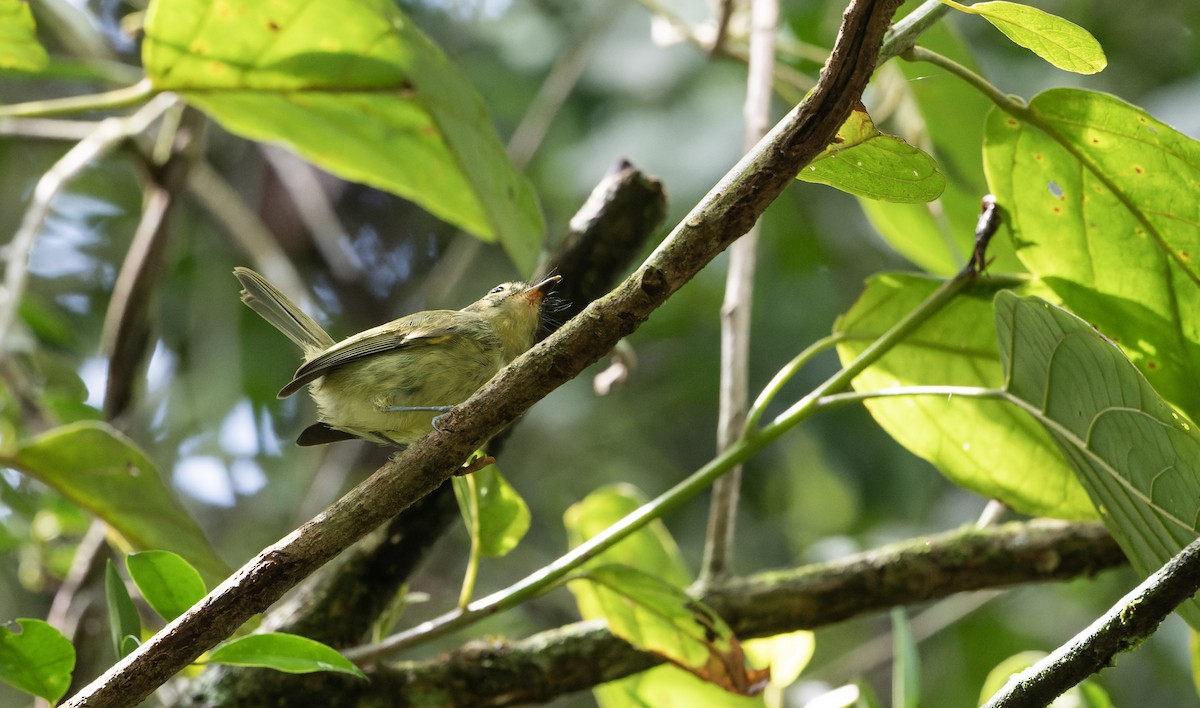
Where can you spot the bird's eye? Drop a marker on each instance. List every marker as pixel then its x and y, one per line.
pixel 497 289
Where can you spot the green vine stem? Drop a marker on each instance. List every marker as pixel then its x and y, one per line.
pixel 117 98
pixel 773 387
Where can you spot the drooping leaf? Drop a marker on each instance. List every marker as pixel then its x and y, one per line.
pixel 982 445
pixel 653 550
pixel 1137 457
pixel 36 658
pixel 104 472
pixel 867 163
pixel 168 583
pixel 1100 198
pixel 503 516
pixel 19 47
pixel 355 87
pixel 289 653
pixel 123 620
pixel 661 618
pixel 1064 44
pixel 668 686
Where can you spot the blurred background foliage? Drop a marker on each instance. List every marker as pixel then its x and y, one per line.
pixel 207 413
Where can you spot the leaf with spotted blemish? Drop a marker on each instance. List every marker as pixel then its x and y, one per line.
pixel 355 87
pixel 1100 198
pixel 660 618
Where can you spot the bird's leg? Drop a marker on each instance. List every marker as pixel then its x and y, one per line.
pixel 419 409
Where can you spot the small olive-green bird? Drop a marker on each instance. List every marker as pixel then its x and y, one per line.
pixel 388 383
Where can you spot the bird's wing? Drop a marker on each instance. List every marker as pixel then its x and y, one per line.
pixel 408 333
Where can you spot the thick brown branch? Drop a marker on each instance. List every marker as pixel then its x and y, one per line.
pixel 722 216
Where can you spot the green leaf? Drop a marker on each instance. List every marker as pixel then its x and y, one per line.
pixel 19 47
pixel 786 655
pixel 168 583
pixel 982 445
pixel 37 659
pixel 1087 694
pixel 503 514
pixel 355 87
pixel 123 620
pixel 289 653
pixel 939 236
pixel 1138 458
pixel 651 549
pixel 906 663
pixel 1101 200
pixel 1064 44
pixel 668 686
pixel 658 617
pixel 104 472
pixel 867 163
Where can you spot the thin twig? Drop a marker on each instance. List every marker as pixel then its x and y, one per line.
pixel 128 330
pixel 303 184
pixel 735 311
pixel 1122 628
pixel 527 137
pixel 108 134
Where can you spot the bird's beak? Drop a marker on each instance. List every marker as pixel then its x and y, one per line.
pixel 537 292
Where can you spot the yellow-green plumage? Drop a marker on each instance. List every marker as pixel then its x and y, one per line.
pixel 433 359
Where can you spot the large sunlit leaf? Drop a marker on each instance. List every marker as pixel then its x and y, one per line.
pixel 1064 44
pixel 104 472
pixel 658 617
pixel 1101 200
pixel 938 236
pixel 19 47
pixel 36 658
pixel 289 653
pixel 982 445
pixel 867 163
pixel 355 87
pixel 1138 458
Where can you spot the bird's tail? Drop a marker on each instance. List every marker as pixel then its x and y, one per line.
pixel 282 313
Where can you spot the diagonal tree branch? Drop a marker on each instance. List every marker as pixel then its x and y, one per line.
pixel 727 212
pixel 1124 627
